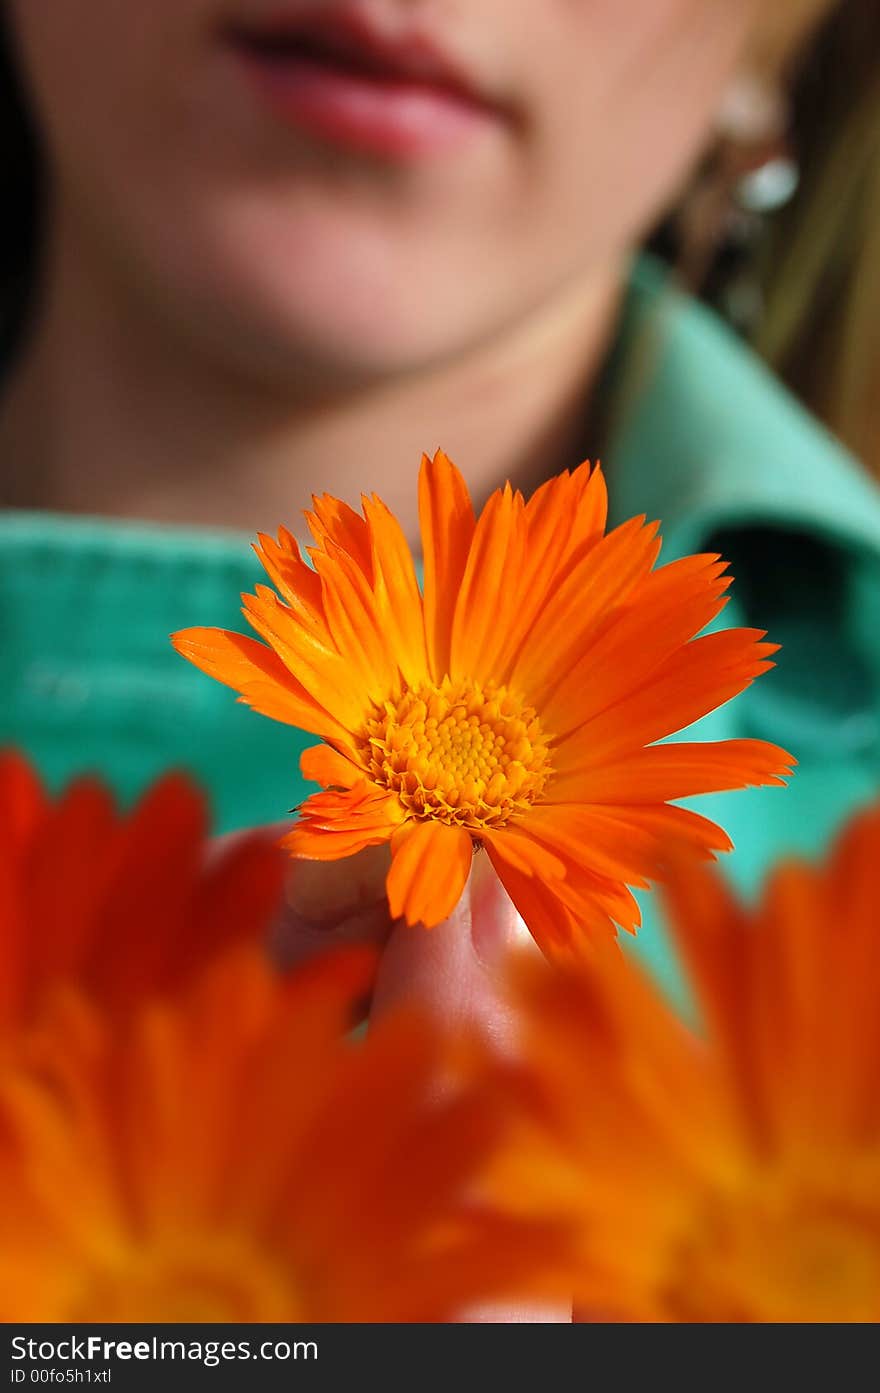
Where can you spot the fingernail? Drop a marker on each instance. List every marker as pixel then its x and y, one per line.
pixel 294 939
pixel 321 893
pixel 496 925
pixel 332 903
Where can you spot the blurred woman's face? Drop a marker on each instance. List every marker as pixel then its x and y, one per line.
pixel 353 187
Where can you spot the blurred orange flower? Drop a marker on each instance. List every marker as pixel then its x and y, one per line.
pixel 124 904
pixel 509 707
pixel 230 1156
pixel 734 1175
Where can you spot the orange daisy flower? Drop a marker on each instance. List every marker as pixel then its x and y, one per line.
pixel 733 1174
pixel 513 705
pixel 125 905
pixel 229 1156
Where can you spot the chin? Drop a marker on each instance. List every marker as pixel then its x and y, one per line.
pixel 317 342
pixel 336 315
pixel 307 284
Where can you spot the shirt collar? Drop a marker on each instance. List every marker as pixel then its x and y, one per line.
pixel 703 437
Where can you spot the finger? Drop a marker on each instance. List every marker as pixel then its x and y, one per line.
pixel 329 904
pixel 520 1313
pixel 456 971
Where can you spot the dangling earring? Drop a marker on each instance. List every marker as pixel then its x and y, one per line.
pixel 751 172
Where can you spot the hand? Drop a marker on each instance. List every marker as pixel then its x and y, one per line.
pixel 453 969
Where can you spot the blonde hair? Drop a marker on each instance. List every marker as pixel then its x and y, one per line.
pixel 820 271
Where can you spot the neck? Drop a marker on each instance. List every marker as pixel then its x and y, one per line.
pixel 109 413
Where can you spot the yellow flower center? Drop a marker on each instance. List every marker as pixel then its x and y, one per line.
pixel 807 1257
pixel 462 753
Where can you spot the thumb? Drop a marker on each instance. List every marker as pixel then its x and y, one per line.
pixel 328 904
pixel 456 969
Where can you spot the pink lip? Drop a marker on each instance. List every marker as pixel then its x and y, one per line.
pixel 334 75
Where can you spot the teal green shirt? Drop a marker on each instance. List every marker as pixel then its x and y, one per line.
pixel 701 436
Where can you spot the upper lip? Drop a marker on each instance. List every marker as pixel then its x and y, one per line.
pixel 349 34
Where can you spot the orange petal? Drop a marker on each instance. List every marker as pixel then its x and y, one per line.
pixel 285 567
pixel 566 516
pixel 581 606
pixel 708 926
pixel 660 614
pixel 429 869
pixel 631 844
pixel 323 765
pixel 569 885
pixel 485 606
pixel 316 665
pixel 354 625
pixel 663 772
pixel 66 889
pixel 527 854
pixel 397 598
pixel 694 680
pixel 259 676
pixel 332 521
pixel 852 1039
pixel 447 524
pixel 565 519
pixel 338 823
pixel 23 800
pixel 554 927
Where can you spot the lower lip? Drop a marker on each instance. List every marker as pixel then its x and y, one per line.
pixel 382 117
